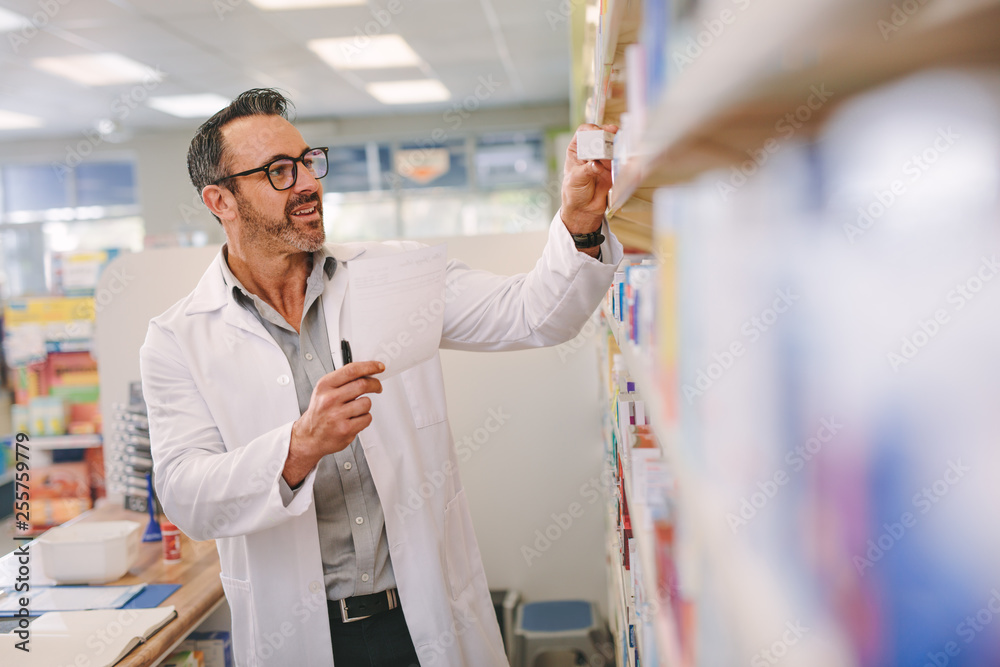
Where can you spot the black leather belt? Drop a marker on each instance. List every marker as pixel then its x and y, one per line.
pixel 363 606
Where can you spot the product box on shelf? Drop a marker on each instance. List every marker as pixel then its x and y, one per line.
pixel 216 646
pixel 660 611
pixel 58 493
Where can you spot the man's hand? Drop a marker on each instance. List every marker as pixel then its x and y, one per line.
pixel 338 410
pixel 585 190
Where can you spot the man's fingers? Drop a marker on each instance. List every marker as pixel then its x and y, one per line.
pixel 359 369
pixel 356 408
pixel 351 372
pixel 360 423
pixel 359 387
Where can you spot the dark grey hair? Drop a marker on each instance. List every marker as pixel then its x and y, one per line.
pixel 206 159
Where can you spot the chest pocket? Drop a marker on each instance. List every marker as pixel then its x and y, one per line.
pixel 424 386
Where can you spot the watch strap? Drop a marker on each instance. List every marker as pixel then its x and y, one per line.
pixel 588 240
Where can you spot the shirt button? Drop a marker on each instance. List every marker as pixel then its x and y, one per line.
pixel 309 357
pixel 359 521
pixel 347 466
pixel 282 380
pixel 364 577
pixel 314 586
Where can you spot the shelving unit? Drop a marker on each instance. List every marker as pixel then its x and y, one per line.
pixel 616 589
pixel 50 442
pixel 647 386
pixel 763 66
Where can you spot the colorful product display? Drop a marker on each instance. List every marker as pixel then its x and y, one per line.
pixel 815 351
pixel 46 343
pixel 643 520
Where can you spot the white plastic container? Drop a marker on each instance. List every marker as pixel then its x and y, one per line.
pixel 94 552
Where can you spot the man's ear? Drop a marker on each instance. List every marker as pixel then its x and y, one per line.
pixel 219 201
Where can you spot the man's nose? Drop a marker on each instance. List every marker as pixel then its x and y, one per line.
pixel 304 180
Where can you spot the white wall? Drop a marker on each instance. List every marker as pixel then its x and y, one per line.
pixel 534 465
pixel 528 470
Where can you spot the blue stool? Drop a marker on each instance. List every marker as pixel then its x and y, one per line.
pixel 557 625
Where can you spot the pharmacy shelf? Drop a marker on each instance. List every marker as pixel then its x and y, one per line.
pixel 618 591
pixel 668 648
pixel 765 65
pixel 62 441
pixel 650 387
pixel 622 21
pixel 618 12
pixel 753 585
pixel 620 632
pixel 615 593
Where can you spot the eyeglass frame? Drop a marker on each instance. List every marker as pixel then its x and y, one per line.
pixel 295 168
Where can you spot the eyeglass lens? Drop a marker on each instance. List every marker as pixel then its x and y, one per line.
pixel 282 173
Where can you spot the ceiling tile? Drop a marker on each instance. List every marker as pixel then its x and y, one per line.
pixel 204 49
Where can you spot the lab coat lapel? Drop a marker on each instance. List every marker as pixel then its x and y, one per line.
pixel 237 316
pixel 334 295
pixel 213 294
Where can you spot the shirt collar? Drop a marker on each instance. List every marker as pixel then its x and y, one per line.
pixel 321 257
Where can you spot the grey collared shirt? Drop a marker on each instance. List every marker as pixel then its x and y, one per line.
pixel 352 537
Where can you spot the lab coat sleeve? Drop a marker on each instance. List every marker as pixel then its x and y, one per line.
pixel 546 306
pixel 207 490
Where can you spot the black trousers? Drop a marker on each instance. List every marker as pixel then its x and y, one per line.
pixel 382 640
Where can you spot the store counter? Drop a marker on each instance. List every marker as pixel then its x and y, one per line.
pixel 198 574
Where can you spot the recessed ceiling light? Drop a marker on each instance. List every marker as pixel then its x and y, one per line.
pixel 272 5
pixel 373 53
pixel 99 69
pixel 11 21
pixel 11 120
pixel 189 106
pixel 408 92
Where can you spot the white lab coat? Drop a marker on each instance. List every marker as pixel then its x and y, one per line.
pixel 221 406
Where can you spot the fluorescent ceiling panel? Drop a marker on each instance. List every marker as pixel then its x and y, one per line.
pixel 98 69
pixel 277 5
pixel 189 106
pixel 11 21
pixel 10 120
pixel 373 53
pixel 408 92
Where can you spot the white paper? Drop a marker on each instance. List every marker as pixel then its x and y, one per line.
pixel 72 598
pixel 99 638
pixel 397 308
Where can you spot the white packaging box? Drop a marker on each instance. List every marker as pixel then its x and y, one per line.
pixel 91 552
pixel 594 145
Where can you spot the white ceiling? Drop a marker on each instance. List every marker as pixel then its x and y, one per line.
pixel 228 46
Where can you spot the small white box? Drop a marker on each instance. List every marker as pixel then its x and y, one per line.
pixel 92 552
pixel 594 145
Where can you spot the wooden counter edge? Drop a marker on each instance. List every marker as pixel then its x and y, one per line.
pixel 197 573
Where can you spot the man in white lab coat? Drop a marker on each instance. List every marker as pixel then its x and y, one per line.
pixel 300 465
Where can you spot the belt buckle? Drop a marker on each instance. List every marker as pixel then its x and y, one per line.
pixel 343 614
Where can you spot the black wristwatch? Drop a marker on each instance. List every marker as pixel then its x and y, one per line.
pixel 588 240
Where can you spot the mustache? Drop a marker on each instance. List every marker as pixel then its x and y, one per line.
pixel 296 202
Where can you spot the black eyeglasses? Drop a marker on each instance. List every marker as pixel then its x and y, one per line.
pixel 283 172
